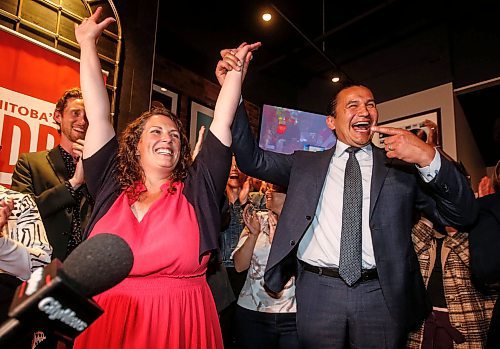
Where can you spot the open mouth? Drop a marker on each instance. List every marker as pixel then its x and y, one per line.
pixel 164 151
pixel 234 174
pixel 361 126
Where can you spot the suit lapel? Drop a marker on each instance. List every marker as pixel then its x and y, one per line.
pixel 57 163
pixel 379 173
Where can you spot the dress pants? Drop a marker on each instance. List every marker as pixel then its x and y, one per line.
pixel 331 314
pixel 226 317
pixel 259 330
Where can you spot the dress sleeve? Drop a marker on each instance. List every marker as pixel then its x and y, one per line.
pixel 99 167
pixel 213 163
pixel 205 186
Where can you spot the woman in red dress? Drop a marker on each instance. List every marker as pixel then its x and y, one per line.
pixel 147 191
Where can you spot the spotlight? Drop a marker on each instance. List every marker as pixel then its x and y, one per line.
pixel 267 16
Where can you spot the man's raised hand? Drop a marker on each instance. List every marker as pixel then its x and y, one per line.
pixel 230 61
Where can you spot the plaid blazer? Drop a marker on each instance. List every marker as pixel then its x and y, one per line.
pixel 469 310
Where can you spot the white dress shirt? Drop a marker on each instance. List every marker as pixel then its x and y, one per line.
pixel 320 245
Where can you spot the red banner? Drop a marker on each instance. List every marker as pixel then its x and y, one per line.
pixel 32 79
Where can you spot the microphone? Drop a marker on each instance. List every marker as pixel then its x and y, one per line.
pixel 57 297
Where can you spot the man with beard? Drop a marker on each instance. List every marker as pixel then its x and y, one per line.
pixel 55 177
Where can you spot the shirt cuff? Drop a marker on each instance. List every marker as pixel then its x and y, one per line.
pixel 428 173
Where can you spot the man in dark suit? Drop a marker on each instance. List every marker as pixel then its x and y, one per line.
pixel 484 240
pixel 386 298
pixel 55 177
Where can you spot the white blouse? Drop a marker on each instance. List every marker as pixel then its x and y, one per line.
pixel 253 296
pixel 23 241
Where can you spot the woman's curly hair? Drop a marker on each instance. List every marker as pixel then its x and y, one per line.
pixel 129 171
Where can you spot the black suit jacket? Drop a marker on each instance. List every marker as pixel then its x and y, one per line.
pixel 42 174
pixel 484 244
pixel 396 190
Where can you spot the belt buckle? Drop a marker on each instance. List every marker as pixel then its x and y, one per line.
pixel 320 271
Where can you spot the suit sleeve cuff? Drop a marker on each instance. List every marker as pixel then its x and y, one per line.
pixel 428 173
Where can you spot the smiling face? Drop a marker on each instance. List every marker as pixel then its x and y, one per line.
pixel 236 177
pixel 72 120
pixel 355 113
pixel 275 198
pixel 159 147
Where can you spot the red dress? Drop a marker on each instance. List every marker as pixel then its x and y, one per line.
pixel 165 302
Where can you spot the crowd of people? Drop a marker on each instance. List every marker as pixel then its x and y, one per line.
pixel 352 247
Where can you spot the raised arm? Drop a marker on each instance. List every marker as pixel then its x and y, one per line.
pixel 251 159
pixel 96 99
pixel 229 98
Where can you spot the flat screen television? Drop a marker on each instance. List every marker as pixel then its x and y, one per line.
pixel 285 130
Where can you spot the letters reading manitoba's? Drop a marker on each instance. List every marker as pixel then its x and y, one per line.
pixel 32 78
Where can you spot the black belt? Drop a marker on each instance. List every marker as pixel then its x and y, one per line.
pixel 366 274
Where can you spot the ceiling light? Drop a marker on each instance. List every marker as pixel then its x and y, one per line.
pixel 335 79
pixel 267 16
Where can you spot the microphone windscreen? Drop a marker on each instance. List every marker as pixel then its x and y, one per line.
pixel 98 264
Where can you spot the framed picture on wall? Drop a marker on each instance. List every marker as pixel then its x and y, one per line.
pixel 200 115
pixel 414 123
pixel 165 96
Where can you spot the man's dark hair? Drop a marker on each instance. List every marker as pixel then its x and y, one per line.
pixel 74 92
pixel 332 105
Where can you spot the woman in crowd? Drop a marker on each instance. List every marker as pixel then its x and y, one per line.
pixel 263 320
pixel 147 191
